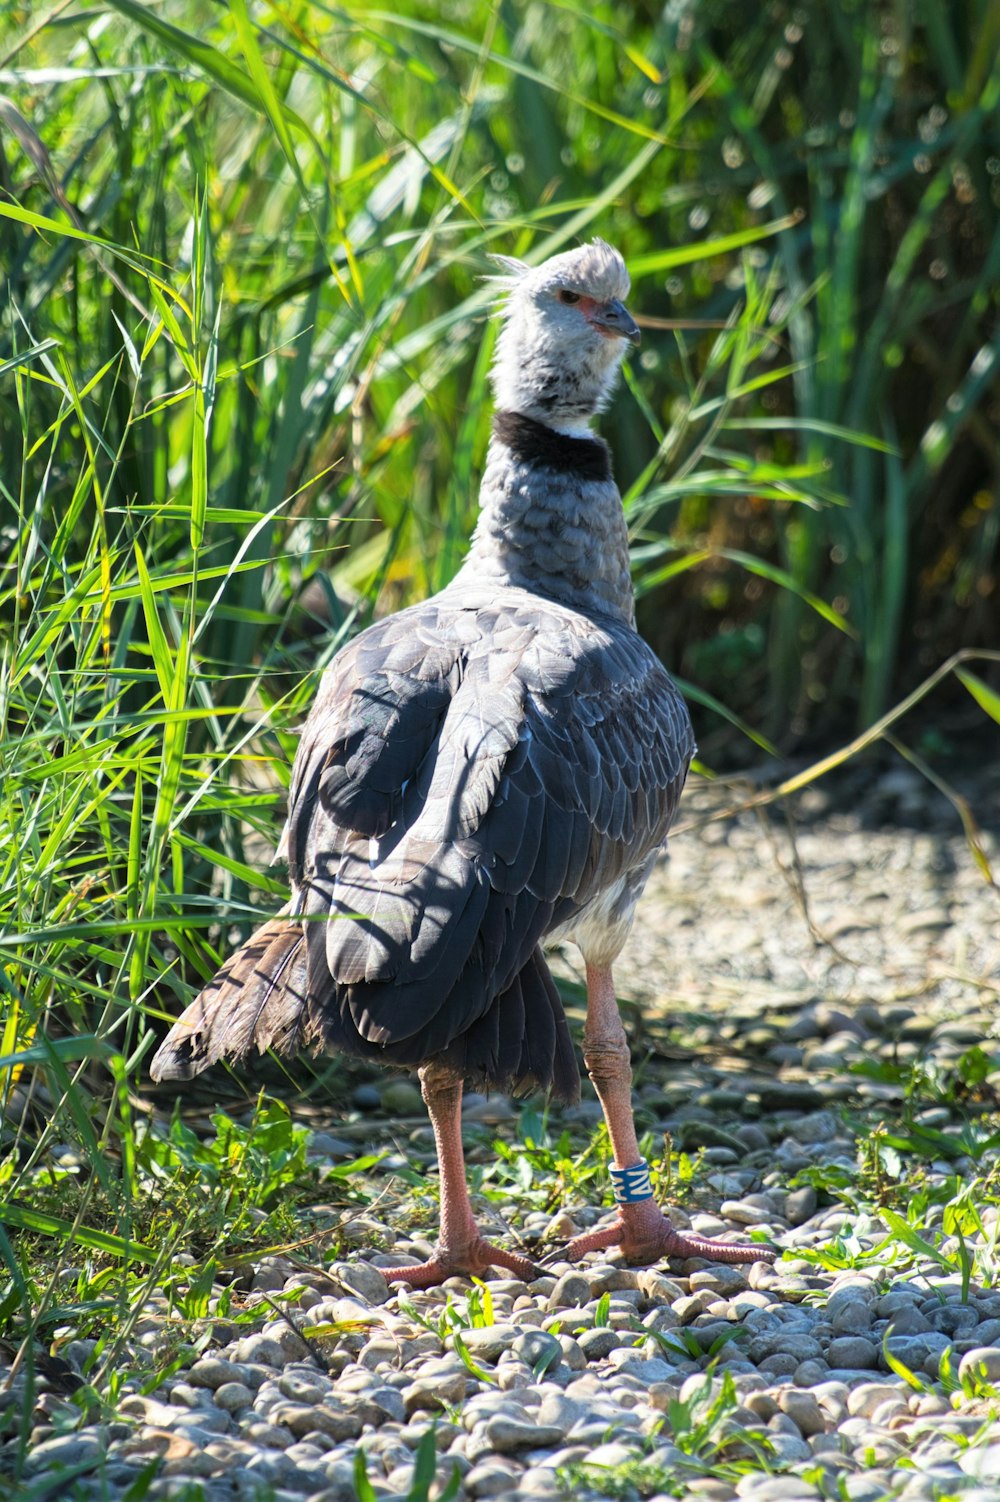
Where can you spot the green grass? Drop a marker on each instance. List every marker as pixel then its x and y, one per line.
pixel 244 343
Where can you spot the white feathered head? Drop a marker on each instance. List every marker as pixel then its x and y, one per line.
pixel 565 331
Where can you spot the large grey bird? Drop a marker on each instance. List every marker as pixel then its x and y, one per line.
pixel 486 772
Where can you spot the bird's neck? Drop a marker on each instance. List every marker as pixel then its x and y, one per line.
pixel 551 518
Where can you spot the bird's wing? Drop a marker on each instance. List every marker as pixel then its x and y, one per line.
pixel 467 778
pixel 590 790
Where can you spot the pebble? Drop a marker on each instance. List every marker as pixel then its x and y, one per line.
pixel 492 1477
pixel 488 1342
pixel 538 1350
pixel 598 1344
pixel 363 1279
pixel 66 1450
pixel 506 1433
pixel 981 1364
pixel 852 1352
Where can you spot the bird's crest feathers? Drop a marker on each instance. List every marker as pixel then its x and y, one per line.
pixel 596 269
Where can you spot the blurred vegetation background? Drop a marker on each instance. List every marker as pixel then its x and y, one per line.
pixel 244 338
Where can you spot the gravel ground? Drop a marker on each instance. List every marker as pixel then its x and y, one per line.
pixel 766 963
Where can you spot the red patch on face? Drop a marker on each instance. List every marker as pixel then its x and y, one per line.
pixel 591 310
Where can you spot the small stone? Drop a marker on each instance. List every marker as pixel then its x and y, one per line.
pixel 270 1435
pixel 852 1352
pixel 213 1371
pixel 274 1468
pixel 720 1279
pixel 746 1213
pixel 645 1369
pixel 435 1385
pixel 301 1418
pixel 908 1320
pixel 486 1342
pixel 800 1205
pixel 804 1411
pixel 560 1411
pixel 303 1388
pixel 66 1450
pixel 862 1401
pixel 491 1478
pixel 263 1349
pixel 890 1304
pixel 775 1488
pixel 401 1097
pixel 232 1396
pixel 506 1433
pixel 928 919
pixel 657 1287
pixel 538 1350
pixel 269 1276
pixel 983 1464
pixel 981 1364
pixel 596 1345
pixel 491 1109
pixel 606 1278
pixel 852 1318
pixel 559 1227
pixel 571 1290
pixel 363 1279
pixel 614 1453
pixel 513 1376
pixel 539 1481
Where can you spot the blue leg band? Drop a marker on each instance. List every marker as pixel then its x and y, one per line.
pixel 629 1185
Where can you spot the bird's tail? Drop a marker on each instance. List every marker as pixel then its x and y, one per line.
pixel 257 1001
pixel 261 999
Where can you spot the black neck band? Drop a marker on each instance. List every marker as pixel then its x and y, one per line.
pixel 534 443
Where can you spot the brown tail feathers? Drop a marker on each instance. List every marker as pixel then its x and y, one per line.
pixel 257 1001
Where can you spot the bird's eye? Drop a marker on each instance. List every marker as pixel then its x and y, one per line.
pixel 565 295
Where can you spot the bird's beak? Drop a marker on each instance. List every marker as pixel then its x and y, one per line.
pixel 615 319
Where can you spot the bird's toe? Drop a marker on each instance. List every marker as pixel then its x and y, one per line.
pixel 472 1259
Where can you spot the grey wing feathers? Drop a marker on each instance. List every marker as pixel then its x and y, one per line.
pixel 468 779
pixel 507 764
pixel 596 774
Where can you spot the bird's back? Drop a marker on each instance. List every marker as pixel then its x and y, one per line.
pixel 476 772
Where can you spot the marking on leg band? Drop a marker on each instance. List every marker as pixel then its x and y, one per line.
pixel 628 1185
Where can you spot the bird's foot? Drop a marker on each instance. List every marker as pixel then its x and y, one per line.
pixel 645 1235
pixel 473 1258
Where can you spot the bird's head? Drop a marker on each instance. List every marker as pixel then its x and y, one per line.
pixel 565 331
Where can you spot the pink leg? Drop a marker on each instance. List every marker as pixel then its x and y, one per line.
pixel 641 1230
pixel 461 1247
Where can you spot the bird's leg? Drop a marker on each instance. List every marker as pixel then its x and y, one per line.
pixel 461 1247
pixel 641 1230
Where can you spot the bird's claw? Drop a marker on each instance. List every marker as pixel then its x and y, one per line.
pixel 644 1236
pixel 473 1259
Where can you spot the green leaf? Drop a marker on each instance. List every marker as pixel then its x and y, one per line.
pixel 899 1367
pixel 203 56
pixel 43 1224
pixel 912 1238
pixel 986 697
pixel 813 425
pixel 424 1467
pixel 658 261
pixel 363 1489
pixel 477 1371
